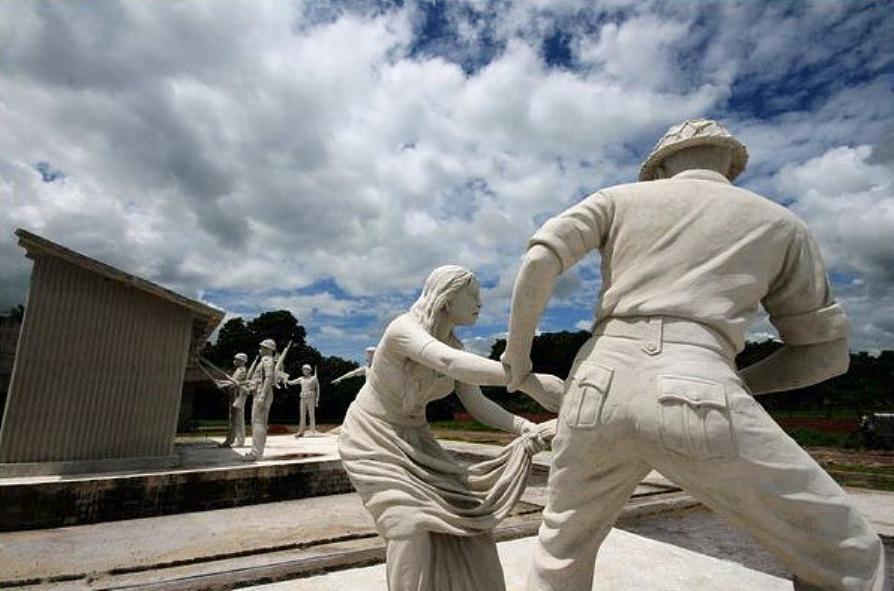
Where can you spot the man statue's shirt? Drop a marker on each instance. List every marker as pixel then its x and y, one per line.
pixel 309 386
pixel 265 376
pixel 698 248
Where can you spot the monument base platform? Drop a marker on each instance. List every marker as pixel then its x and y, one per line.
pixel 25 469
pixel 204 477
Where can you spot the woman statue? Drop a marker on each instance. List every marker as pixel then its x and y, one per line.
pixel 437 515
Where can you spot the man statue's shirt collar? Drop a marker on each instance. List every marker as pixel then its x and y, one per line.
pixel 702 174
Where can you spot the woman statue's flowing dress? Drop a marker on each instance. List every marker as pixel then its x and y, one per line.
pixel 436 514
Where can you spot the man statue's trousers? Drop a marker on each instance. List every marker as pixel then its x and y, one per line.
pixel 657 393
pixel 306 406
pixel 260 414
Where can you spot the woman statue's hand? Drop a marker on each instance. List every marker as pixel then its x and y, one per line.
pixel 534 440
pixel 546 389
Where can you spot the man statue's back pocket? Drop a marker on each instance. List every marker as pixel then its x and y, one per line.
pixel 586 395
pixel 695 418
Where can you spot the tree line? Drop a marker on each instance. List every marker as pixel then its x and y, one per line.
pixel 868 386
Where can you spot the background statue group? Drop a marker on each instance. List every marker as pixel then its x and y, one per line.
pixel 259 381
pixel 686 260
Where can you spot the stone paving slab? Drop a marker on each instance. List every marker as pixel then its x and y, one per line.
pixel 877 506
pixel 626 562
pixel 104 547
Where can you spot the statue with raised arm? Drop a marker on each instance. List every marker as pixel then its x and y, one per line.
pixel 686 259
pixel 309 399
pixel 360 371
pixel 436 515
pixel 262 378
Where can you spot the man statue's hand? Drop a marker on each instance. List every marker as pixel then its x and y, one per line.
pixel 519 366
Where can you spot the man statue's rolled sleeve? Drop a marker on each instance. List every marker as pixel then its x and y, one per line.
pixel 576 231
pixel 800 303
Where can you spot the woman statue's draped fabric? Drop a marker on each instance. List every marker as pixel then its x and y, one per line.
pixel 436 514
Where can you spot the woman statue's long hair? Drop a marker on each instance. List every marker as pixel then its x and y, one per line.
pixel 428 310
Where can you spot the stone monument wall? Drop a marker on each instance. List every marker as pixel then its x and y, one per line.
pixel 99 368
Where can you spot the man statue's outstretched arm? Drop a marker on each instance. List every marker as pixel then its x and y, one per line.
pixel 797 366
pixel 813 327
pixel 534 285
pixel 360 371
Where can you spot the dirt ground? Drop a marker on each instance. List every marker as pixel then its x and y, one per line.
pixel 868 459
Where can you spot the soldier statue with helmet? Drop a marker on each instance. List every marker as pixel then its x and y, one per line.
pixel 263 377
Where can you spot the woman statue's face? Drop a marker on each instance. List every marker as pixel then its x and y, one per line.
pixel 463 307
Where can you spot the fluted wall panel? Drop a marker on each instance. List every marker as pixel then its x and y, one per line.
pixel 98 370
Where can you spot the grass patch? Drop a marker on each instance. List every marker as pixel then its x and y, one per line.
pixel 461 426
pixel 863 479
pixel 814 438
pixel 839 466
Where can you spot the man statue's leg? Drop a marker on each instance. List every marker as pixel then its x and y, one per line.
pixel 260 409
pixel 312 411
pixel 767 485
pixel 231 428
pixel 239 414
pixel 593 473
pixel 302 410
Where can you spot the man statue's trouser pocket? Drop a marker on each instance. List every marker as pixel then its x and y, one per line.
pixel 585 395
pixel 695 418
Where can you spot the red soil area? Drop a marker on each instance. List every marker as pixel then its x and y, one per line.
pixel 838 425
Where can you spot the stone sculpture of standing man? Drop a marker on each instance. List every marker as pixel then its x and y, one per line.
pixel 686 259
pixel 238 390
pixel 309 399
pixel 263 378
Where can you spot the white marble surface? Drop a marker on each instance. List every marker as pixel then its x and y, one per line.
pixel 626 562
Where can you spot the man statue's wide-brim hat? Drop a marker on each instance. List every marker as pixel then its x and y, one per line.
pixel 269 344
pixel 241 357
pixel 691 133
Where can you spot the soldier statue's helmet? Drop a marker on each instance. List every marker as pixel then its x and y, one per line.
pixel 370 349
pixel 241 357
pixel 691 133
pixel 269 344
pixel 306 366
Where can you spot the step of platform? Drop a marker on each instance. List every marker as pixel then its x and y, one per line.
pixel 207 477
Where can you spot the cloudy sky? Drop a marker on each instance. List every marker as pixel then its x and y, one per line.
pixel 323 157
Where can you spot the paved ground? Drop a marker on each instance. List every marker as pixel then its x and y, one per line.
pixel 700 530
pixel 627 562
pixel 276 541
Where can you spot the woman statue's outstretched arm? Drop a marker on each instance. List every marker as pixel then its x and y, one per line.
pixel 480 371
pixel 484 410
pixel 409 338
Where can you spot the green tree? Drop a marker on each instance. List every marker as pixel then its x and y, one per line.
pixel 234 337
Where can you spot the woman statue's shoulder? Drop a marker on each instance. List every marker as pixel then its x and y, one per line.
pixel 405 335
